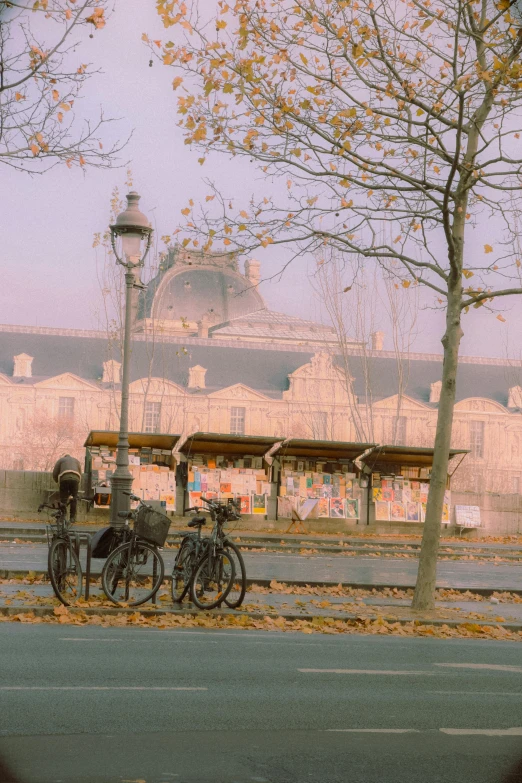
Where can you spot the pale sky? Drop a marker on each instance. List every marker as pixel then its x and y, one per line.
pixel 48 221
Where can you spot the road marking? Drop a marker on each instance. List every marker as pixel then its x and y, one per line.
pixel 514 732
pixel 494 666
pixel 95 688
pixel 146 641
pixel 478 693
pixel 391 672
pixel 377 731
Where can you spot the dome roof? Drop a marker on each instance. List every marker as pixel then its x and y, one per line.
pixel 193 285
pixel 192 293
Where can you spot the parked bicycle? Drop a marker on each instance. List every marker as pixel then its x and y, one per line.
pixel 185 575
pixel 63 562
pixel 134 570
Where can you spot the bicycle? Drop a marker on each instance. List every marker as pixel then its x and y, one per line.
pixel 191 552
pixel 63 563
pixel 136 565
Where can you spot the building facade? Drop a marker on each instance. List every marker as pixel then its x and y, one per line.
pixel 208 355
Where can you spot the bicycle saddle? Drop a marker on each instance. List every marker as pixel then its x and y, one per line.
pixel 197 521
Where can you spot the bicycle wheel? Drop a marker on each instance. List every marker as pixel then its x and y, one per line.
pixel 65 571
pixel 212 580
pixel 133 573
pixel 237 592
pixel 183 570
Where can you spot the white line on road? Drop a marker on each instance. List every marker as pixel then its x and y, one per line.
pixel 514 732
pixel 494 666
pixel 377 731
pixel 94 688
pixel 391 672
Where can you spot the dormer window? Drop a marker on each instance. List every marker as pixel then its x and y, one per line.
pixel 197 377
pixel 111 372
pixel 23 366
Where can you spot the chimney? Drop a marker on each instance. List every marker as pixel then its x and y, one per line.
pixel 377 341
pixel 253 271
pixel 435 391
pixel 23 366
pixel 111 372
pixel 196 377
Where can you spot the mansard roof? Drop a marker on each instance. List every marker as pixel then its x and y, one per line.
pixel 261 366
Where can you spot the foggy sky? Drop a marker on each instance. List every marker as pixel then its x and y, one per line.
pixel 48 221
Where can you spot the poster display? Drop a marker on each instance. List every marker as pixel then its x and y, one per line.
pixel 334 486
pixel 151 470
pixel 467 516
pixel 223 478
pixel 402 496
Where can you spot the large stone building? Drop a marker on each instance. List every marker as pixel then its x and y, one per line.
pixel 208 355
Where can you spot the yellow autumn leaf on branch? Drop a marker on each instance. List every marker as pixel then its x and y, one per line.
pixel 467 273
pixel 488 249
pixel 501 318
pixel 406 283
pixel 185 211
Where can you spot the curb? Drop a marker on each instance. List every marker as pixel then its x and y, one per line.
pixel 264 582
pixel 43 611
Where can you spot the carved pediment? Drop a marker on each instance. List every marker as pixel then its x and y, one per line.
pixel 319 381
pixel 238 392
pixel 67 381
pixel 155 387
pixel 407 404
pixel 480 405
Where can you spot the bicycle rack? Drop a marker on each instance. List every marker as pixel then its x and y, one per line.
pixel 85 538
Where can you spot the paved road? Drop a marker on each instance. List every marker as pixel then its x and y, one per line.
pixel 95 705
pixel 363 570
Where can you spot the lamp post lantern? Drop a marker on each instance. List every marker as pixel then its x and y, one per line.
pixel 134 229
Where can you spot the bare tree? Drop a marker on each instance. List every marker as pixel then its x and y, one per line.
pixel 45 438
pixel 372 114
pixel 41 79
pixel 360 302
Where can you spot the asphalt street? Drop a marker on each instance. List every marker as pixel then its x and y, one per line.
pixel 97 705
pixel 360 570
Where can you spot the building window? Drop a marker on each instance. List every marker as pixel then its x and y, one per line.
pixel 516 485
pixel 152 416
pixel 66 407
pixel 476 439
pixel 400 431
pixel 237 421
pixel 319 425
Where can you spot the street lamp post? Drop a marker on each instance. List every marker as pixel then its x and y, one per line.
pixel 133 228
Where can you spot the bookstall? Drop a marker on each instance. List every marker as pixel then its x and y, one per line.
pixel 399 482
pixel 228 466
pixel 324 471
pixel 151 464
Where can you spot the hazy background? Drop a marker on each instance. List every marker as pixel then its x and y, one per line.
pixel 48 221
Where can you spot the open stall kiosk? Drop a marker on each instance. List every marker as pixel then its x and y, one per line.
pixel 322 471
pixel 399 482
pixel 151 463
pixel 227 466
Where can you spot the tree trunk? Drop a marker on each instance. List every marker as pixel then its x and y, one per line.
pixel 424 596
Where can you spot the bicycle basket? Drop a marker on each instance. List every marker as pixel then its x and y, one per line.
pixel 152 526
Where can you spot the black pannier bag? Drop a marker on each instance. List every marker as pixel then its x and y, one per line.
pixel 104 541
